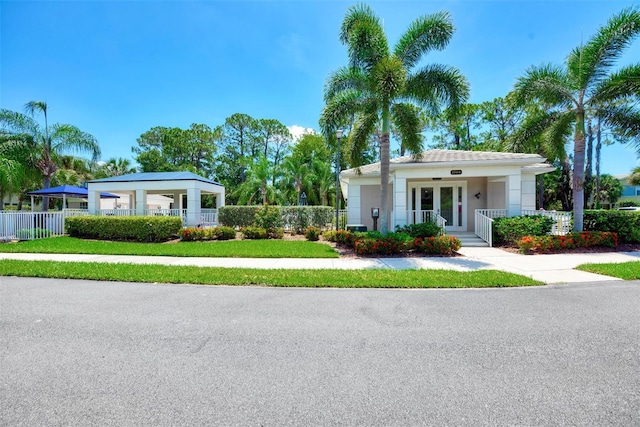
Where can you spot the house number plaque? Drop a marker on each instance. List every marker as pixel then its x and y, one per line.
pixel 456 172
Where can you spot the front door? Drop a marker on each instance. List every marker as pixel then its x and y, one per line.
pixel 444 199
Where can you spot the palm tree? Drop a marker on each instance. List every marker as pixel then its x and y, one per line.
pixel 296 175
pixel 634 178
pixel 257 181
pixel 324 179
pixel 118 167
pixel 382 86
pixel 49 141
pixel 586 84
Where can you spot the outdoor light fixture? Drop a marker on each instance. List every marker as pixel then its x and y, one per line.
pixel 338 136
pixel 478 195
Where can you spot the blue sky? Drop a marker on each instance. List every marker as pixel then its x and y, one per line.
pixel 116 69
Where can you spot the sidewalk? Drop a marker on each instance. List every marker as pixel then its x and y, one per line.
pixel 558 268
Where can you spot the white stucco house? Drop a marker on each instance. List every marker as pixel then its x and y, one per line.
pixel 449 184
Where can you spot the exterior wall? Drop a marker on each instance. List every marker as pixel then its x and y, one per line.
pixel 370 198
pixel 474 186
pixel 528 191
pixel 496 195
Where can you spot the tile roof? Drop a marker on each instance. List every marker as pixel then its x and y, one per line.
pixel 451 156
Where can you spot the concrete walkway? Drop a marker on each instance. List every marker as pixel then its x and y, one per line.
pixel 557 268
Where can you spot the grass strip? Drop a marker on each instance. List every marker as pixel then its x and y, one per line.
pixel 155 273
pixel 625 270
pixel 226 249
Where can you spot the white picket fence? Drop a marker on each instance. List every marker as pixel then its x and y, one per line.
pixel 484 221
pixel 34 225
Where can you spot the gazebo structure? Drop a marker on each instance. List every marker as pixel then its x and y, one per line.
pixel 172 184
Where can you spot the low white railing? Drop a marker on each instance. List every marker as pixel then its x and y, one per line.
pixel 209 217
pixel 420 216
pixel 493 213
pixel 116 212
pixel 165 212
pixel 484 226
pixel 561 220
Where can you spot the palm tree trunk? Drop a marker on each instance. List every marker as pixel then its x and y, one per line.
pixel 384 171
pixel 578 171
pixel 588 172
pixel 598 148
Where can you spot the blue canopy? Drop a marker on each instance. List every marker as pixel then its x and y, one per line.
pixel 69 191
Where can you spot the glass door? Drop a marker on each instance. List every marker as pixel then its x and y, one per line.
pixel 446 206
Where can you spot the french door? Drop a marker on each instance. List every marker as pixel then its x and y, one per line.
pixel 446 200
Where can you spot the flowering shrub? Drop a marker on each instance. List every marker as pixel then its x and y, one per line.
pixel 383 246
pixel 253 233
pixel 222 233
pixel 585 239
pixel 312 234
pixel 191 234
pixel 440 245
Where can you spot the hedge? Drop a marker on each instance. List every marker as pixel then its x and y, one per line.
pixel 297 218
pixel 585 239
pixel 511 229
pixel 625 223
pixel 129 228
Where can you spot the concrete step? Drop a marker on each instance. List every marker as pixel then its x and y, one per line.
pixel 470 240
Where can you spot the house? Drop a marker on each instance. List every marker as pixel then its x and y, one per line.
pixel 629 192
pixel 448 185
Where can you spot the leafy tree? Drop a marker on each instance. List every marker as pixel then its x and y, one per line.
pixel 610 189
pixel 586 83
pixel 117 167
pixel 381 85
pixel 324 180
pixel 258 177
pixel 634 178
pixel 240 145
pixel 457 129
pixel 295 176
pixel 49 142
pixel 275 138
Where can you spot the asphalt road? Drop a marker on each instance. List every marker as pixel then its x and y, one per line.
pixel 95 353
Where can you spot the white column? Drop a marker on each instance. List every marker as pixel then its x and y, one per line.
pixel 514 206
pixel 528 192
pixel 220 199
pixel 141 202
pixel 193 207
pixel 93 202
pixel 399 201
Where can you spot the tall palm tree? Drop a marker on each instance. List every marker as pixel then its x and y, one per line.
pixel 587 84
pixel 257 181
pixel 381 85
pixel 296 175
pixel 49 141
pixel 118 167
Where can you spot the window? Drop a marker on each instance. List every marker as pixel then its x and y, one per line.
pixel 637 191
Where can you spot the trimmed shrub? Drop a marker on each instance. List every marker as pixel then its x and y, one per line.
pixel 299 218
pixel 378 246
pixel 222 233
pixel 625 223
pixel 585 239
pixel 253 233
pixel 269 218
pixel 511 230
pixel 128 228
pixel 422 230
pixel 237 216
pixel 627 203
pixel 192 234
pixel 312 234
pixel 440 245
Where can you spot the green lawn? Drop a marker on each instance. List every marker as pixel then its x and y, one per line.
pixel 230 248
pixel 154 273
pixel 625 270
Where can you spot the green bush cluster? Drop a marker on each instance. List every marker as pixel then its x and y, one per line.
pixel 190 234
pixel 128 228
pixel 254 233
pixel 625 223
pixel 585 239
pixel 421 230
pixel 510 230
pixel 312 234
pixel 375 243
pixel 237 216
pixel 296 218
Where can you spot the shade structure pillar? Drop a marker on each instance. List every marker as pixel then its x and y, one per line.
pixel 193 207
pixel 141 202
pixel 93 202
pixel 220 199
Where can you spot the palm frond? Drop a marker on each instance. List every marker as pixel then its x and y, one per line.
pixel 625 122
pixel 589 64
pixel 407 122
pixel 69 138
pixel 546 83
pixel 557 135
pixel 345 78
pixel 537 127
pixel 364 36
pixel 12 122
pixel 340 109
pixel 623 84
pixel 437 84
pixel 431 32
pixel 360 137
